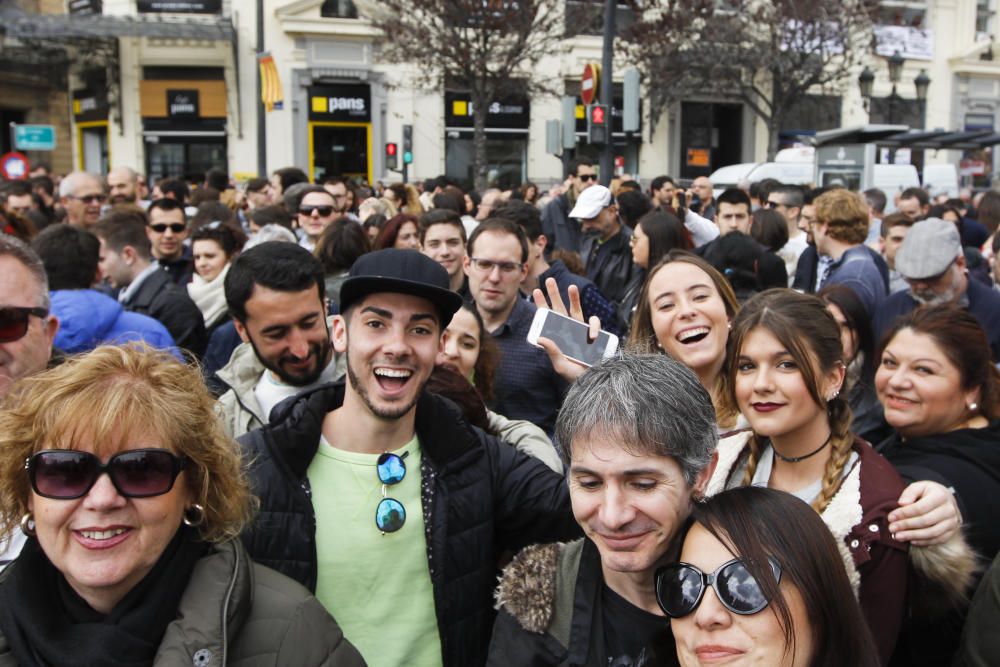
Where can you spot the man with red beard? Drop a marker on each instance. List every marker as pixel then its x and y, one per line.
pixel 380 498
pixel 276 294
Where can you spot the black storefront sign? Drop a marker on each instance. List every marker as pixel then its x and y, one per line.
pixel 510 113
pixel 179 6
pixel 340 103
pixel 617 119
pixel 182 104
pixel 88 105
pixel 85 7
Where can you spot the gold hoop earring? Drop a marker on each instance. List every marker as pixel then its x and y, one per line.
pixel 28 524
pixel 194 516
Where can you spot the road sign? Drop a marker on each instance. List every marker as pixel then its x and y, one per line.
pixel 588 83
pixel 14 166
pixel 34 137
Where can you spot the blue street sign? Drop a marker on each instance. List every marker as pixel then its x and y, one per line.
pixel 34 137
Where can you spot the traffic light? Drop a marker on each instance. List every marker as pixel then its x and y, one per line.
pixel 391 156
pixel 407 144
pixel 598 122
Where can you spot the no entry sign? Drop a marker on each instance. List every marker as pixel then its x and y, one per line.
pixel 588 83
pixel 14 166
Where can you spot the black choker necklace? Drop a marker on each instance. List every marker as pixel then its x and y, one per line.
pixel 796 459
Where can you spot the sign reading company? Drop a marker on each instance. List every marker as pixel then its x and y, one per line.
pixel 182 104
pixel 344 103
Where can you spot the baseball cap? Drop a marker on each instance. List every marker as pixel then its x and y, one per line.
pixel 403 272
pixel 929 248
pixel 591 202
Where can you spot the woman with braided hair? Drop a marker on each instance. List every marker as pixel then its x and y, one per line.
pixel 785 371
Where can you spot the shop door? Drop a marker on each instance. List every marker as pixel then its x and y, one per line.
pixel 340 149
pixel 711 137
pixel 94 148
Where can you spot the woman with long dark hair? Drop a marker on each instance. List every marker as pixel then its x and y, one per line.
pixel 781 596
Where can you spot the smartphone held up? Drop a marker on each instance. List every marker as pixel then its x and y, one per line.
pixel 572 337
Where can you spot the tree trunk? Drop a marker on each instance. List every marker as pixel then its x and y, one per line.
pixel 773 132
pixel 480 109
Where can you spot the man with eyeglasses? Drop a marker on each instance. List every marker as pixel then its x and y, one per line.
pixel 167 230
pixel 378 496
pixel 932 262
pixel 639 432
pixel 144 287
pixel 342 196
pixel 559 228
pixel 82 195
pixel 526 386
pixel 27 331
pixel 317 210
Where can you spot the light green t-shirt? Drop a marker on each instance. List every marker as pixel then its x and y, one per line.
pixel 377 587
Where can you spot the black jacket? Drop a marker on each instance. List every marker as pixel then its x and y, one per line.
pixel 551 611
pixel 480 498
pixel 610 264
pixel 161 299
pixel 180 269
pixel 561 231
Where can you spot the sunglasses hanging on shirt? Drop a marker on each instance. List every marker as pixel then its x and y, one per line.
pixel 390 515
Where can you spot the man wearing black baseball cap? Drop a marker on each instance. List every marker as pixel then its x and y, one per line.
pixel 380 498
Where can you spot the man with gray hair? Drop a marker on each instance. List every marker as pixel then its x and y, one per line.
pixel 82 195
pixel 639 432
pixel 932 262
pixel 123 184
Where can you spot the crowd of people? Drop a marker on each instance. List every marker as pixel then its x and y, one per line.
pixel 294 423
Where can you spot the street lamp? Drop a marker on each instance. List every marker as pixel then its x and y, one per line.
pixel 866 81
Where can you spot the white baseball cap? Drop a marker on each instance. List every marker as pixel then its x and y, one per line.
pixel 591 202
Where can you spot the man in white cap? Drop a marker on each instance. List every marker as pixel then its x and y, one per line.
pixel 606 248
pixel 933 264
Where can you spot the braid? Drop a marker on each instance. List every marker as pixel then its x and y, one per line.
pixel 841 440
pixel 755 450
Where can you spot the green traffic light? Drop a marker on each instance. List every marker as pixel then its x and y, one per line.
pixel 408 157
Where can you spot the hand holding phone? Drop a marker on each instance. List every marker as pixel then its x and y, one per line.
pixel 567 367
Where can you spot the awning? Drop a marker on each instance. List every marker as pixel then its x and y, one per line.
pixel 65 27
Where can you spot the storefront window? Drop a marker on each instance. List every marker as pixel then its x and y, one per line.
pixel 507 123
pixel 505 159
pixel 340 131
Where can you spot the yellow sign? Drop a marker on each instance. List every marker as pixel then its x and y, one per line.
pixel 460 108
pixel 698 157
pixel 581 112
pixel 242 176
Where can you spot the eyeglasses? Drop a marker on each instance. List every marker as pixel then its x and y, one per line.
pixel 322 210
pixel 390 515
pixel 680 587
pixel 487 265
pixel 90 199
pixel 14 321
pixel 66 474
pixel 587 177
pixel 175 227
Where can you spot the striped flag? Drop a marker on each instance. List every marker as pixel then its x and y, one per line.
pixel 270 83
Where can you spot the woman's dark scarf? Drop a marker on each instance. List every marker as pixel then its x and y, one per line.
pixel 47 623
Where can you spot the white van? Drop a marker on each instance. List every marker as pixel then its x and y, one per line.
pixel 794 173
pixel 892 179
pixel 941 179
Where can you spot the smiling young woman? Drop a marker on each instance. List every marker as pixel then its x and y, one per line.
pixel 785 373
pixel 684 310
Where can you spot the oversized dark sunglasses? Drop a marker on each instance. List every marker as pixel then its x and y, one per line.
pixel 390 515
pixel 14 321
pixel 175 227
pixel 65 474
pixel 681 587
pixel 322 210
pixel 588 177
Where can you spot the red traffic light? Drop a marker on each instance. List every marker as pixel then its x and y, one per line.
pixel 597 115
pixel 390 149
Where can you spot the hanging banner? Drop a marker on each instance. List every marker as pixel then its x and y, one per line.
pixel 271 94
